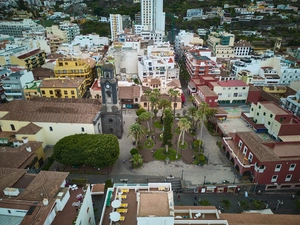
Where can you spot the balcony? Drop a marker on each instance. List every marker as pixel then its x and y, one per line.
pixel 237 154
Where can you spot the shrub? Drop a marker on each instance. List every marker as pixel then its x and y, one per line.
pixel 134 151
pixel 79 181
pixel 108 184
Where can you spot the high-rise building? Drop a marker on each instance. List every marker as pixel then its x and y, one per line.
pixel 152 15
pixel 116 25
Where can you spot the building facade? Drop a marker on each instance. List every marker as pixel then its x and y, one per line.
pixel 116 25
pixel 31 89
pixel 73 67
pixel 292 103
pixel 64 87
pixel 16 28
pixel 152 15
pixel 221 44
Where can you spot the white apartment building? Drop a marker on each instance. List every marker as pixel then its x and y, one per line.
pixel 276 70
pixel 33 43
pixel 16 28
pixel 55 30
pixel 152 15
pixel 116 25
pixel 242 48
pixel 10 49
pixel 71 28
pixel 221 44
pixel 158 63
pixel 186 40
pixel 90 40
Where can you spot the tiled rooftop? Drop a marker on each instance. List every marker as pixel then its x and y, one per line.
pixel 69 82
pixel 52 110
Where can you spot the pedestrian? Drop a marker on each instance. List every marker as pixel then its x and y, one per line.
pixel 239 204
pixel 251 199
pixel 195 204
pixel 178 197
pixel 195 197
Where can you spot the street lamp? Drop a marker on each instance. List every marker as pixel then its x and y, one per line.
pixel 182 175
pixel 204 180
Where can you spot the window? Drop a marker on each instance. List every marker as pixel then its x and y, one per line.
pixel 12 127
pixel 288 177
pixel 72 92
pixel 65 92
pixel 250 157
pixel 259 107
pixel 82 129
pixel 271 115
pixel 274 178
pixel 50 128
pixel 252 109
pixel 136 99
pixel 245 150
pixel 257 114
pixel 292 167
pixel 278 168
pixel 240 143
pixel 264 113
pixel 110 120
pixel 269 123
pixel 88 209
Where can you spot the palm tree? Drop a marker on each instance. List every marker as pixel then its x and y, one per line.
pixel 191 98
pixel 137 132
pixel 145 116
pixel 206 113
pixel 192 113
pixel 153 102
pixel 136 159
pixel 173 94
pixel 163 104
pixel 147 94
pixel 184 125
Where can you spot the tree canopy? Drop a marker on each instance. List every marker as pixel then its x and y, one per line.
pixel 98 150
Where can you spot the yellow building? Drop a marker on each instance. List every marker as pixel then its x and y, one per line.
pixel 29 59
pixel 72 67
pixel 31 89
pixel 55 42
pixel 54 30
pixel 69 87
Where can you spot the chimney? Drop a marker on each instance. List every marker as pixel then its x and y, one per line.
pixel 45 201
pixel 25 140
pixel 28 148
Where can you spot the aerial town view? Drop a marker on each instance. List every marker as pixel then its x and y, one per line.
pixel 149 112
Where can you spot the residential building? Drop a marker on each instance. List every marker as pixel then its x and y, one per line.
pixel 185 40
pixel 272 119
pixel 58 32
pixel 23 154
pixel 276 70
pixel 193 14
pixel 292 103
pixel 152 15
pixel 293 51
pixel 71 28
pixel 230 92
pixel 29 59
pixel 242 48
pixel 15 82
pixel 31 89
pixel 221 44
pixel 90 40
pixel 9 51
pixel 35 42
pixel 139 206
pixel 55 117
pixel 16 28
pixel 63 87
pixel 159 63
pixel 204 94
pixel 175 103
pixel 199 64
pixel 269 165
pixel 55 42
pixel 40 73
pixel 116 25
pixel 130 96
pixel 72 67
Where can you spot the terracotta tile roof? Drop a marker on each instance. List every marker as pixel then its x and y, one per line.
pixel 41 73
pixel 18 157
pixel 174 83
pixel 31 128
pixel 232 83
pixel 256 145
pixel 52 110
pixel 8 177
pixel 129 92
pixel 98 188
pixel 145 88
pixel 155 81
pixel 206 91
pixel 69 82
pixel 45 185
pixel 30 53
pixel 54 56
pixel 257 218
pixel 90 61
